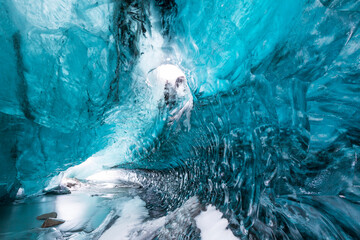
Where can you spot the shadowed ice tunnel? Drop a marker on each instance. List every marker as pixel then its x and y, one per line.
pixel 179 119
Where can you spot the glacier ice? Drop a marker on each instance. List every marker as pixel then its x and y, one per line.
pixel 251 107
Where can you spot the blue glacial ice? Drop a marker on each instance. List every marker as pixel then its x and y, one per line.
pixel 171 111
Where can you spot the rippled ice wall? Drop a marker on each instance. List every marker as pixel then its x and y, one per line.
pixel 273 135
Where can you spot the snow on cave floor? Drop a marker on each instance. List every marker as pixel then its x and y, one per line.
pixel 107 211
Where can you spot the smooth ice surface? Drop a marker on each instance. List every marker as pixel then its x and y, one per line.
pixel 88 212
pixel 80 211
pixel 250 106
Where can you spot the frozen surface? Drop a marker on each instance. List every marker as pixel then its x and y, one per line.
pixel 250 106
pixel 212 226
pixel 83 211
pixel 133 213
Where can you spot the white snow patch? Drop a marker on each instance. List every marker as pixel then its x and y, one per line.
pixel 132 214
pixel 114 176
pixel 213 226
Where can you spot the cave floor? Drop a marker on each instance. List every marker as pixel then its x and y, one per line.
pixel 84 210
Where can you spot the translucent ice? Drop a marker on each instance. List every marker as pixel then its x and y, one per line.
pixel 250 106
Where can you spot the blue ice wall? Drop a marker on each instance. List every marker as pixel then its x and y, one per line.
pixel 71 88
pixel 58 60
pixel 277 85
pixel 274 129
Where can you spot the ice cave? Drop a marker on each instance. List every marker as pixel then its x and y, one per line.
pixel 179 119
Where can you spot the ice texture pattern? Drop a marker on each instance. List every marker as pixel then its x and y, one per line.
pixel 250 106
